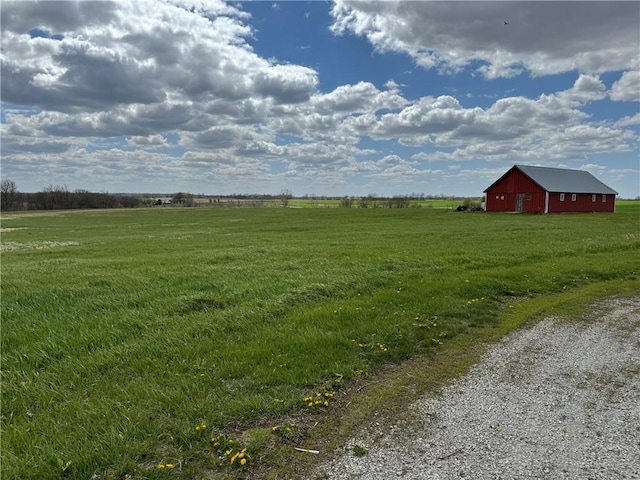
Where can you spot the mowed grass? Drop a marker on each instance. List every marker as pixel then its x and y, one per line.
pixel 123 331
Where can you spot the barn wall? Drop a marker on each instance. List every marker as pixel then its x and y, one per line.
pixel 502 196
pixel 583 203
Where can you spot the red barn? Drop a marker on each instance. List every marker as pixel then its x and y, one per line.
pixel 549 190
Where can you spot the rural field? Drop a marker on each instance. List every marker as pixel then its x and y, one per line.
pixel 209 342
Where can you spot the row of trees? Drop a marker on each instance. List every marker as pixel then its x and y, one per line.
pixel 400 201
pixel 56 197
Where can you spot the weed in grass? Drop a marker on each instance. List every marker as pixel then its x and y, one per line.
pixel 230 452
pixel 359 451
pixel 288 433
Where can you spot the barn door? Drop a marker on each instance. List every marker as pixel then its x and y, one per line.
pixel 520 202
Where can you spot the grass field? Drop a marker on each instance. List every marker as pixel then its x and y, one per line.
pixel 142 343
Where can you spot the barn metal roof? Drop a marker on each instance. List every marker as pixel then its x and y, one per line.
pixel 565 180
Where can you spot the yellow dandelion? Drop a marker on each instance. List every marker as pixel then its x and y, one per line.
pixel 274 428
pixel 161 465
pixel 169 466
pixel 326 403
pixel 243 462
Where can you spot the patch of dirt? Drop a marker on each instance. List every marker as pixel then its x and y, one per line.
pixel 44 245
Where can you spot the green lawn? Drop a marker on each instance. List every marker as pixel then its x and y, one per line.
pixel 124 330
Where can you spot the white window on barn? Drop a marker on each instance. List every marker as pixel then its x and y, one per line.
pixel 573 197
pixel 593 197
pixel 562 197
pixel 501 197
pixel 604 198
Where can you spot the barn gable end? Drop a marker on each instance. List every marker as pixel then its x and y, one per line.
pixel 531 189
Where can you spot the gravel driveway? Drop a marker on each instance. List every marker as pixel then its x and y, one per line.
pixel 560 400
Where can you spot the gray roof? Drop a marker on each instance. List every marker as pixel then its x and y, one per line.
pixel 564 180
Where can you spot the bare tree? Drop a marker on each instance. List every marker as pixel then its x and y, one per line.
pixel 285 196
pixel 8 194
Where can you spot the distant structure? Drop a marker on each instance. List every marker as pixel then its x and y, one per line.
pixel 531 189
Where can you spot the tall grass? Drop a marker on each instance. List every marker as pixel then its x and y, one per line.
pixel 124 330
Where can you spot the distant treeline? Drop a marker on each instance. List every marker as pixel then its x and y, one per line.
pixel 56 197
pixel 60 198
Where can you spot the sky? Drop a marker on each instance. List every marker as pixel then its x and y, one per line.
pixel 317 98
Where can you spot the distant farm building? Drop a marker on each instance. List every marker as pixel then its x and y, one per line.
pixel 549 190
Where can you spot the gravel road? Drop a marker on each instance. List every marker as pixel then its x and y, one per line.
pixel 560 400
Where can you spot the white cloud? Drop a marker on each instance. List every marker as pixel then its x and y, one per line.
pixel 148 140
pixel 541 37
pixel 286 83
pixel 359 98
pixel 141 52
pixel 587 88
pixel 628 121
pixel 627 88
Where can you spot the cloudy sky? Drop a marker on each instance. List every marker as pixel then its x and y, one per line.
pixel 325 98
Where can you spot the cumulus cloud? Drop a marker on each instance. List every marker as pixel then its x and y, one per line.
pixel 286 83
pixel 540 37
pixel 148 140
pixel 92 88
pixel 358 98
pixel 628 121
pixel 143 52
pixel 627 88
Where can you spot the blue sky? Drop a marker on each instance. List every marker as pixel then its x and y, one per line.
pixel 325 98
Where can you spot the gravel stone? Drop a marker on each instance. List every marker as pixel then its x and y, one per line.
pixel 560 400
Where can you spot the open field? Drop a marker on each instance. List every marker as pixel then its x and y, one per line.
pixel 131 338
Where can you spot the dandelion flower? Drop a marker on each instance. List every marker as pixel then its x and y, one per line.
pixel 243 462
pixel 169 466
